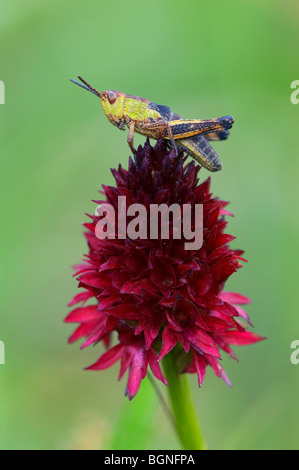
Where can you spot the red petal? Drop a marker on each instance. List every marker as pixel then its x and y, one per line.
pixel 200 283
pixel 234 298
pixel 241 338
pixel 94 338
pixel 126 359
pixel 169 340
pixel 136 287
pixel 225 212
pixel 201 365
pixel 226 309
pixel 243 314
pixel 82 297
pixel 219 371
pixel 82 331
pixel 124 311
pixel 215 324
pixel 136 373
pixel 163 275
pixel 155 367
pixel 115 262
pixel 202 341
pixel 108 358
pixel 96 280
pixel 83 314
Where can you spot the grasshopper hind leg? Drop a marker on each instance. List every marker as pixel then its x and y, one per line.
pixel 172 141
pixel 171 146
pixel 199 148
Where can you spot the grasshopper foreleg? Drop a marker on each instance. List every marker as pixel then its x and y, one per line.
pixel 130 139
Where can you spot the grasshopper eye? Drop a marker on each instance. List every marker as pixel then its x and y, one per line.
pixel 111 97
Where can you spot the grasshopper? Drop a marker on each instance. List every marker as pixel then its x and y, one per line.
pixel 157 121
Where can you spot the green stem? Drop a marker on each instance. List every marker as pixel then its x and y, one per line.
pixel 187 425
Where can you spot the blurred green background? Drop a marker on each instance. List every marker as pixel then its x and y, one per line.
pixel 203 59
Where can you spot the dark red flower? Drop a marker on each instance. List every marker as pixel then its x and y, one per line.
pixel 155 294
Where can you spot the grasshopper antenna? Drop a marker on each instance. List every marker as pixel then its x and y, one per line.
pixel 86 86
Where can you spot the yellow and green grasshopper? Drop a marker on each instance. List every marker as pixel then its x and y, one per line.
pixel 157 121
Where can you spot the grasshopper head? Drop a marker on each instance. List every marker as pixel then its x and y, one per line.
pixel 112 102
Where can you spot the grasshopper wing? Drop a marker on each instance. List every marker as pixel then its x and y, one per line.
pixel 165 111
pixel 200 149
pixel 215 136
